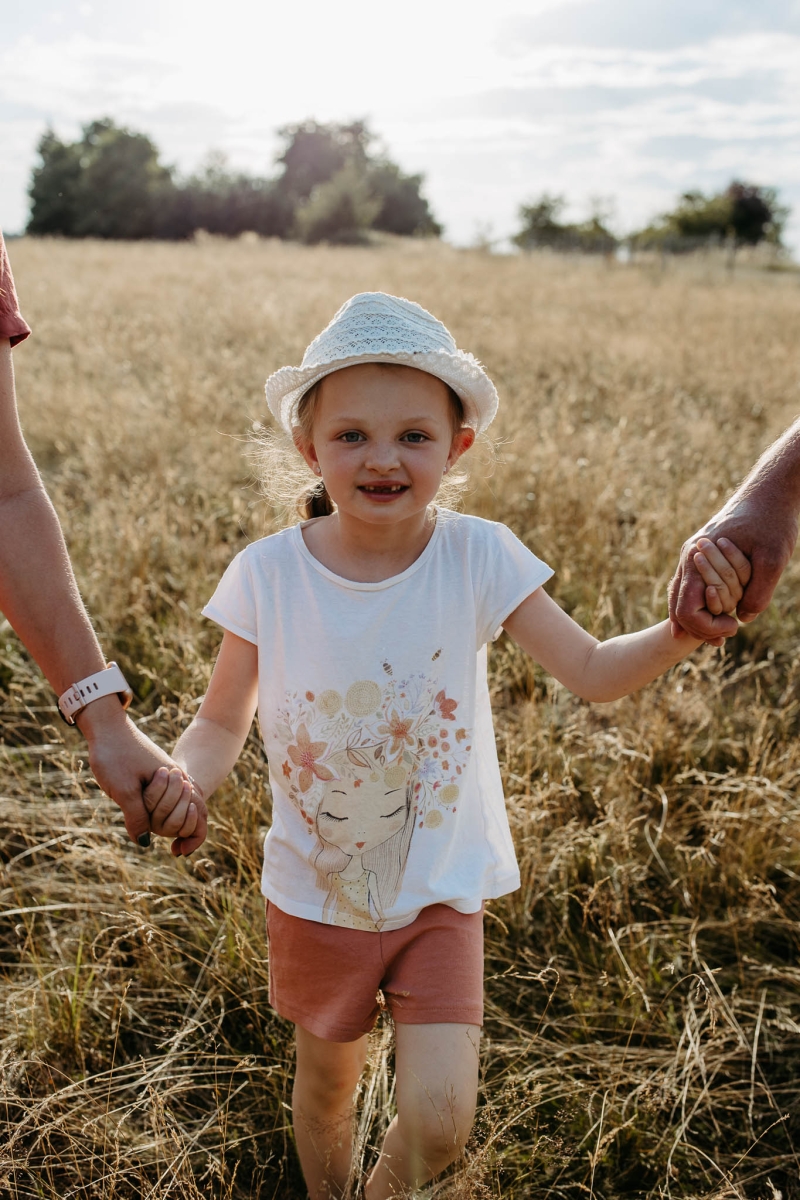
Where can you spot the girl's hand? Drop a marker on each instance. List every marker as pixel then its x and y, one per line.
pixel 174 806
pixel 725 571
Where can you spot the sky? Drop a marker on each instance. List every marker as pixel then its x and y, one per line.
pixel 624 102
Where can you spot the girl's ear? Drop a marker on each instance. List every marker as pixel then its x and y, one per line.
pixel 306 449
pixel 460 444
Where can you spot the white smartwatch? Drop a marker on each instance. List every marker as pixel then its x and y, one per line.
pixel 93 687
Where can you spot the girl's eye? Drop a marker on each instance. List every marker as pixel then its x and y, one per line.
pixel 415 438
pixel 351 436
pixel 388 816
pixel 331 817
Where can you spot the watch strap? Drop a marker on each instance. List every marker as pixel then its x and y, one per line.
pixel 103 683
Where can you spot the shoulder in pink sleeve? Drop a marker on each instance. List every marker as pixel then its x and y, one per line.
pixel 12 326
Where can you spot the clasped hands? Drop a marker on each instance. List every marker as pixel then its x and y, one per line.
pixel 175 804
pixel 724 573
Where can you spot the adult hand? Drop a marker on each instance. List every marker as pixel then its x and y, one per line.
pixel 124 761
pixel 764 529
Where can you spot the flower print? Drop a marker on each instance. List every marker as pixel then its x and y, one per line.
pixel 309 695
pixel 426 770
pixel 330 702
pixel 445 746
pixel 399 729
pixel 287 770
pixel 445 708
pixel 304 755
pixel 362 698
pixel 395 776
pixel 432 741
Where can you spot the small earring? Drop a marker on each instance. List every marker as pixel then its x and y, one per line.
pixel 317 470
pixel 446 470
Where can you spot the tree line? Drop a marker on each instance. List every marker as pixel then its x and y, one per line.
pixel 332 183
pixel 743 214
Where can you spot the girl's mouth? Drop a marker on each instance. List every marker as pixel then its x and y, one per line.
pixel 383 490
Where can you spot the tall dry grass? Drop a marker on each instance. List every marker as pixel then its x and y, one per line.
pixel 642 986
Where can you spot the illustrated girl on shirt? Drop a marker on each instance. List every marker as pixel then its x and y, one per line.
pixel 364 823
pixel 363 769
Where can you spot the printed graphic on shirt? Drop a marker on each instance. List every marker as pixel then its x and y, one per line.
pixel 367 771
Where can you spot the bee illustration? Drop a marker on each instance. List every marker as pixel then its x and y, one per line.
pixel 388 668
pixel 436 655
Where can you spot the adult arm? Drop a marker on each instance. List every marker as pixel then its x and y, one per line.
pixel 40 598
pixel 761 518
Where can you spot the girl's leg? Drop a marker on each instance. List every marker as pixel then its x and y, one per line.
pixel 322 1110
pixel 436 1079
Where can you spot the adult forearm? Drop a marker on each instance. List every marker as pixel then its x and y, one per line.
pixel 775 479
pixel 38 592
pixel 207 752
pixel 626 663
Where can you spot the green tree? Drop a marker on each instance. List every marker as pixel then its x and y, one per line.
pixel 314 153
pixel 334 169
pixel 340 210
pixel 54 187
pixel 122 183
pixel 743 213
pixel 403 208
pixel 541 227
pixel 109 184
pixel 226 202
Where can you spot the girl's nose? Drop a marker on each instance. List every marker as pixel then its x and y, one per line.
pixel 382 456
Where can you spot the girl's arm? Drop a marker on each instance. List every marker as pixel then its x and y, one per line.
pixel 208 749
pixel 593 670
pixel 603 671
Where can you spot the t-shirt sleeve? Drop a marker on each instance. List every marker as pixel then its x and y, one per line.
pixel 511 573
pixel 12 325
pixel 233 604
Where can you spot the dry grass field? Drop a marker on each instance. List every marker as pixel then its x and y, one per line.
pixel 642 986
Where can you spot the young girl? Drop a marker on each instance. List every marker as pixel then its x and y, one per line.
pixel 362 635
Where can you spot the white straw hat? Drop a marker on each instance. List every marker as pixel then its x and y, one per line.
pixel 375 327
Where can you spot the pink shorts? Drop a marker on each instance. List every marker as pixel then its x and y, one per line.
pixel 327 979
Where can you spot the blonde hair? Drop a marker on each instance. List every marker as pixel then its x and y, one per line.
pixel 287 482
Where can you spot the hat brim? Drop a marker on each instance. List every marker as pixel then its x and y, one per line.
pixel 459 370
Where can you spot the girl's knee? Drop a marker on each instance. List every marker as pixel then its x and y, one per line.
pixel 327 1073
pixel 438 1133
pixel 325 1089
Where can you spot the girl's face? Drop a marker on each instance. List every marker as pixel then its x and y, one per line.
pixel 357 815
pixel 382 439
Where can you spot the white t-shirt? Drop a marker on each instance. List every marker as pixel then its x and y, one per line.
pixel 374 709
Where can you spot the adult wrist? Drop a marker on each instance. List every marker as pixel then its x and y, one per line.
pixel 101 716
pixel 107 682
